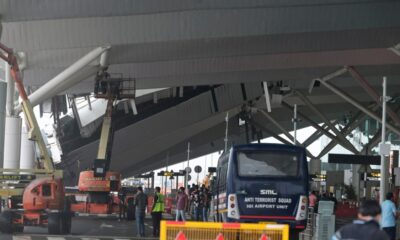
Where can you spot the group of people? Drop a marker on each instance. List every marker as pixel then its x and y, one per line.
pixel 315 197
pixel 199 199
pixel 141 203
pixel 197 202
pixel 375 222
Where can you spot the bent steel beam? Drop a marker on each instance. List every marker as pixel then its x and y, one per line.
pixel 360 116
pixel 372 92
pixel 358 105
pixel 277 137
pixel 323 130
pixel 67 78
pixel 340 136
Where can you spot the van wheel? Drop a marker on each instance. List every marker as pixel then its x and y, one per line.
pixel 6 222
pixel 54 223
pixel 19 228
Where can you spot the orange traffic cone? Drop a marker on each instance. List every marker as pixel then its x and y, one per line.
pixel 180 236
pixel 220 237
pixel 264 237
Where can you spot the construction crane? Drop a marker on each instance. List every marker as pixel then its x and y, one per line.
pixel 42 193
pixel 98 183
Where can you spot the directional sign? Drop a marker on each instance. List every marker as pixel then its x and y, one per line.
pixel 197 169
pixel 354 159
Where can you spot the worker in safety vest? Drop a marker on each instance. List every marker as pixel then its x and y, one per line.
pixel 157 211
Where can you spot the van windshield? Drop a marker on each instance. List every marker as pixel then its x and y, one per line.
pixel 264 164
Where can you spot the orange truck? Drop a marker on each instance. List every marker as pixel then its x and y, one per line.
pixel 37 199
pixel 96 195
pixel 98 186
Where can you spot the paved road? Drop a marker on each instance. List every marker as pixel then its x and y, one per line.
pixel 87 228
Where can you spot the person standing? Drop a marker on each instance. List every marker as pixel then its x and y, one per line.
pixel 198 201
pixel 140 208
pixel 181 204
pixel 207 203
pixel 366 227
pixel 122 209
pixel 157 211
pixel 389 215
pixel 313 199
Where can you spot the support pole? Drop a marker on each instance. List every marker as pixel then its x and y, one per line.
pixel 3 99
pixel 187 166
pixel 384 165
pixel 226 131
pixel 295 124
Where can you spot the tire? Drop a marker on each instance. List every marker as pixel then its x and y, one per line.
pixel 54 223
pixel 19 228
pixel 66 222
pixel 6 222
pixel 66 217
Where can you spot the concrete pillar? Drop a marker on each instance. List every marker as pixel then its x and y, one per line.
pixel 356 179
pixel 12 144
pixel 3 99
pixel 28 155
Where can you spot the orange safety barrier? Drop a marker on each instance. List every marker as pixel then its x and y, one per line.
pixel 171 230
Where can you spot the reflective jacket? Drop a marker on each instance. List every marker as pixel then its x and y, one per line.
pixel 158 203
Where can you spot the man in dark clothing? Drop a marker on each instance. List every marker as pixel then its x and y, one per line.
pixel 367 225
pixel 198 200
pixel 122 209
pixel 140 205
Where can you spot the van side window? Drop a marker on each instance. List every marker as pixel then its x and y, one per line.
pixel 222 173
pixel 46 190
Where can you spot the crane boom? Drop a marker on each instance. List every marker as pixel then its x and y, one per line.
pixel 34 133
pixel 102 162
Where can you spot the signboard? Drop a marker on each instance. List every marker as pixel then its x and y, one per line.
pixel 354 159
pixel 17 177
pixel 197 169
pixel 317 177
pixel 374 176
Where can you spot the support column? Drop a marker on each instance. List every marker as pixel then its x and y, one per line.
pixel 356 179
pixel 12 144
pixel 28 155
pixel 3 99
